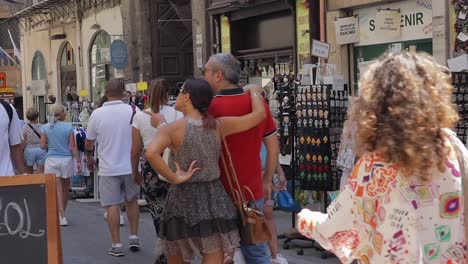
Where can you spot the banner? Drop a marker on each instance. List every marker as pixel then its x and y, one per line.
pixel 415 22
pixel 347 30
pixel 225 35
pixel 303 36
pixel 388 24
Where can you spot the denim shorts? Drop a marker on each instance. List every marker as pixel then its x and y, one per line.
pixel 34 155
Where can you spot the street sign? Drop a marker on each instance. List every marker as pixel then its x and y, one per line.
pixel 119 54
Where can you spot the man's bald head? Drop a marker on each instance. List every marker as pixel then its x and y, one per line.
pixel 114 88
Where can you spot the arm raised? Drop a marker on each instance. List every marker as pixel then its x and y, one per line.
pixel 236 124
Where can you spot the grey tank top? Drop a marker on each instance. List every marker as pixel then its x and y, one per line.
pixel 199 144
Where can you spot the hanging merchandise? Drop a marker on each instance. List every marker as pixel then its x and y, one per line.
pixel 460 11
pixel 284 85
pixel 460 98
pixel 320 114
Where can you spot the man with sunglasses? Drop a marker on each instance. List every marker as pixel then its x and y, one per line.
pixel 222 71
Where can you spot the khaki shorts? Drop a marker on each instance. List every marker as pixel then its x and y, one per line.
pixel 114 190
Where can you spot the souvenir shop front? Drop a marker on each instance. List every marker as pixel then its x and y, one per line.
pixel 272 41
pixel 414 33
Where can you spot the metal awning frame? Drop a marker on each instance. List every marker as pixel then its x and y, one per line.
pixel 47 12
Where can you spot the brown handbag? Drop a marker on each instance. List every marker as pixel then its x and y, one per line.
pixel 253 229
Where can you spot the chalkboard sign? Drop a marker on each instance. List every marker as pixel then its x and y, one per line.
pixel 29 230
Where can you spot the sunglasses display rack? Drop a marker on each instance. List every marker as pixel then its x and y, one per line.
pixel 460 99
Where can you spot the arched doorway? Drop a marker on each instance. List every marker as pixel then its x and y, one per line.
pixel 68 74
pixel 39 72
pixel 101 69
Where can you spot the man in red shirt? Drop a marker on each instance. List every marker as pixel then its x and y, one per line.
pixel 222 71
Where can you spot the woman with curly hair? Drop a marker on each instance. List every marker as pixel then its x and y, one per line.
pixel 403 202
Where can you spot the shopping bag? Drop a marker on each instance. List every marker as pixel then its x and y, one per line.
pixel 286 203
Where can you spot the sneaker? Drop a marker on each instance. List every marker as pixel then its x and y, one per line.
pixel 279 259
pixel 116 252
pixel 134 244
pixel 122 222
pixel 63 221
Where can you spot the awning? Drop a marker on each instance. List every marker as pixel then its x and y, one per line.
pixel 50 11
pixel 256 6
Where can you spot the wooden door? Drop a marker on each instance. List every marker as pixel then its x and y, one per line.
pixel 172 44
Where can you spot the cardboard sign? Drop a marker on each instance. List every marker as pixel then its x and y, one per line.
pixel 347 30
pixel 83 93
pixel 29 217
pixel 388 23
pixel 142 86
pixel 320 49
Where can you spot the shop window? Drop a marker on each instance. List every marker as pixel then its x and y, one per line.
pixel 38 67
pixel 101 70
pixel 68 74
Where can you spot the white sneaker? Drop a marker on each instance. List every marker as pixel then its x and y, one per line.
pixel 122 222
pixel 279 259
pixel 63 221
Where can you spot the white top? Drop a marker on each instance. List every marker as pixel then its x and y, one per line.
pixel 142 122
pixel 110 126
pixel 14 137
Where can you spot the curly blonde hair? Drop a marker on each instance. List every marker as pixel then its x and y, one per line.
pixel 404 102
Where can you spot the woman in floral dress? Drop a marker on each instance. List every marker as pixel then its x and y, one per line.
pixel 403 202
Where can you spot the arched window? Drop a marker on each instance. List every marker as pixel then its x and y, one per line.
pixel 100 64
pixel 39 71
pixel 68 74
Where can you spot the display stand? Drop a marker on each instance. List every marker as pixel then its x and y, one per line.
pixel 460 98
pixel 316 114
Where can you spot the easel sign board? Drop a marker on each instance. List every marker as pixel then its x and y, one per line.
pixel 29 227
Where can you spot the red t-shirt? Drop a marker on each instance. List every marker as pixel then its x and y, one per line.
pixel 245 146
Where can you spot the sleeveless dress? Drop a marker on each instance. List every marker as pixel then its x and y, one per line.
pixel 199 217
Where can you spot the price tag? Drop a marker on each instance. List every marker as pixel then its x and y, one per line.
pixel 462 15
pixel 462 37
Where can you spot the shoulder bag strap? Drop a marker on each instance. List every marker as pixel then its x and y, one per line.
pixel 35 131
pixel 230 171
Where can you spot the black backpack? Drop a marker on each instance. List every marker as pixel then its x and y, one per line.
pixel 9 111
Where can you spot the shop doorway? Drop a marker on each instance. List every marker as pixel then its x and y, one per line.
pixel 101 69
pixel 68 74
pixel 172 40
pixel 39 72
pixel 364 55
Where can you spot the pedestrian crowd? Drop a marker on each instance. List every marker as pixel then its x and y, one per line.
pixel 404 202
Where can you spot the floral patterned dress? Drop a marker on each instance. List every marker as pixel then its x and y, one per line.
pixel 383 217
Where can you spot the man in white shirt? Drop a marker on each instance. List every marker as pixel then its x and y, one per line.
pixel 110 125
pixel 10 141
